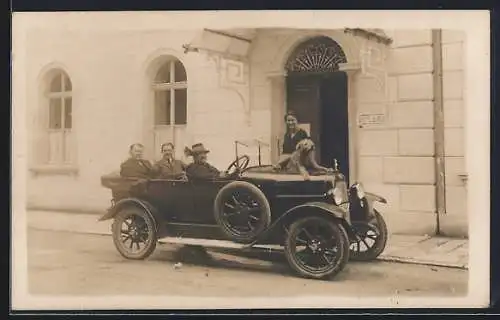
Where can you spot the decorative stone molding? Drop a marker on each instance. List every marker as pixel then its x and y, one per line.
pixel 350 68
pixel 370 34
pixel 275 75
pixel 233 75
pixel 234 72
pixel 371 52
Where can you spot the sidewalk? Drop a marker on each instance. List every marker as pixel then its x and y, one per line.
pixel 435 251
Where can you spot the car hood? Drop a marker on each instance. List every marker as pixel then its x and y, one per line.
pixel 271 175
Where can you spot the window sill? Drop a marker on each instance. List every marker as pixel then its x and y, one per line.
pixel 67 170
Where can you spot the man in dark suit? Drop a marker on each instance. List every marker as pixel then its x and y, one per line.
pixel 136 166
pixel 168 167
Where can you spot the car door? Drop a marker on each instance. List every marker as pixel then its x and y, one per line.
pixel 204 193
pixel 173 198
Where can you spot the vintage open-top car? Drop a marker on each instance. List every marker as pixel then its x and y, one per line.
pixel 319 223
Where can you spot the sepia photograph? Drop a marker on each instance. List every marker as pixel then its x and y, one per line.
pixel 232 160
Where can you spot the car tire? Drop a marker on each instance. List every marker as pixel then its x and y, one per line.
pixel 131 217
pixel 297 263
pixel 379 243
pixel 245 199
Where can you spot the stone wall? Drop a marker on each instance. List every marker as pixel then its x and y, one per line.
pixel 396 157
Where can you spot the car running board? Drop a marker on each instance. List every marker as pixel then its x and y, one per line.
pixel 208 243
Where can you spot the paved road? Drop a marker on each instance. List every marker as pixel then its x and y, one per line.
pixel 78 264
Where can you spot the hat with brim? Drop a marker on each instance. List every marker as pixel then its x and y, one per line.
pixel 198 148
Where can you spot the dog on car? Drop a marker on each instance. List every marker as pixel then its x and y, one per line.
pixel 301 161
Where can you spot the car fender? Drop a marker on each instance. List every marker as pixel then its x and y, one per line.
pixel 321 208
pixel 371 198
pixel 328 208
pixel 146 206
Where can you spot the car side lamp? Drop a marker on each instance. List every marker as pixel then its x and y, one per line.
pixel 340 187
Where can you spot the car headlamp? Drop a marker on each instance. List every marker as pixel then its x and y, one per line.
pixel 360 190
pixel 339 192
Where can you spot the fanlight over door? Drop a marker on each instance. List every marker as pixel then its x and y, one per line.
pixel 317 55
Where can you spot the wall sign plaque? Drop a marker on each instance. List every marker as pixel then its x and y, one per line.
pixel 371 119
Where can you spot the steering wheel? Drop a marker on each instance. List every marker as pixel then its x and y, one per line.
pixel 240 164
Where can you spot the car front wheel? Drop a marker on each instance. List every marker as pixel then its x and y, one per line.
pixel 371 238
pixel 134 233
pixel 316 247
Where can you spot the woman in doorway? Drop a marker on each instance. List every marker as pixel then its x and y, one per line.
pixel 298 148
pixel 293 135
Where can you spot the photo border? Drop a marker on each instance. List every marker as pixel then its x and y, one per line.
pixel 474 121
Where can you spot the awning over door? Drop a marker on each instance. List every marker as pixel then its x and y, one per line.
pixel 232 43
pixel 235 43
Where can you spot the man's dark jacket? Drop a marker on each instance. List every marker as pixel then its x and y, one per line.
pixel 136 168
pixel 170 169
pixel 202 171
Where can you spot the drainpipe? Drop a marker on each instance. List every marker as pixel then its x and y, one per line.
pixel 439 155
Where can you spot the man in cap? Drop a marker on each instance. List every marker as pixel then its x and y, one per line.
pixel 200 168
pixel 135 166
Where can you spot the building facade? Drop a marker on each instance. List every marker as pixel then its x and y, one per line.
pixel 374 99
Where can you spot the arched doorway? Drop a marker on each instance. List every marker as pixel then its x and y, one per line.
pixel 317 91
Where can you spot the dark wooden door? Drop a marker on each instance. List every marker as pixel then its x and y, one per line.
pixel 334 121
pixel 320 100
pixel 303 97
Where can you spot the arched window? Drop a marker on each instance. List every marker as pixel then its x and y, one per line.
pixel 170 104
pixel 170 87
pixel 60 117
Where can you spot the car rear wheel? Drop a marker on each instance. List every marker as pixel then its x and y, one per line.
pixel 242 211
pixel 371 238
pixel 317 247
pixel 134 233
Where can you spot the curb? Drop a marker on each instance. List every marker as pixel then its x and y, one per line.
pixel 68 210
pixel 408 260
pixel 94 233
pixel 388 258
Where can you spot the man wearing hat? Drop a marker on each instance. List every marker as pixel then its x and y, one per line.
pixel 200 168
